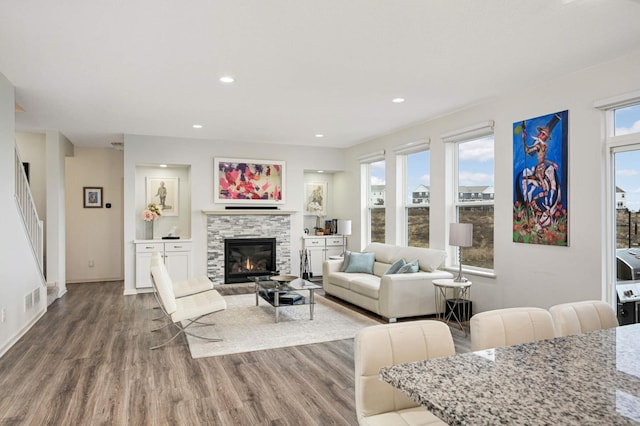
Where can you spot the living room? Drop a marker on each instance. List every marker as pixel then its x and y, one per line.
pixel 523 274
pixel 541 276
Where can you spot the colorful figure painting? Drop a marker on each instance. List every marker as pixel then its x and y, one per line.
pixel 249 181
pixel 540 208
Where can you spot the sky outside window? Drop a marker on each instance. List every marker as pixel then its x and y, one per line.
pixel 627 164
pixel 417 172
pixel 475 162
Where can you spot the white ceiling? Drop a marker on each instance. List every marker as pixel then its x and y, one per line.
pixel 96 70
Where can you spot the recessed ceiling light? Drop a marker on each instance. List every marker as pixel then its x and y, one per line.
pixel 320 171
pixel 398 100
pixel 197 126
pixel 319 135
pixel 227 79
pixel 163 165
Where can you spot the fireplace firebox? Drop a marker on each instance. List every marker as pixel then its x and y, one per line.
pixel 245 257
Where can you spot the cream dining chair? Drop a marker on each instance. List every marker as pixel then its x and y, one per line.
pixel 378 403
pixel 510 326
pixel 582 317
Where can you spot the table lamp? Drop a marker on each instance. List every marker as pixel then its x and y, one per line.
pixel 460 235
pixel 344 228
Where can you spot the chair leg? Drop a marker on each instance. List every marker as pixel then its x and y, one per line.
pixel 183 330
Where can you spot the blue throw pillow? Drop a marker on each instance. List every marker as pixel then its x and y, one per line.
pixel 410 267
pixel 395 267
pixel 361 262
pixel 345 262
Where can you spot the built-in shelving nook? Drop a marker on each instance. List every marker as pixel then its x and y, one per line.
pixel 167 186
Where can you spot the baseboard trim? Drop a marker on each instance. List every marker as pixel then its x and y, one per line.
pixel 12 341
pixel 129 292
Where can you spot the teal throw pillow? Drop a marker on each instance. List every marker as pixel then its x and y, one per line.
pixel 410 267
pixel 361 262
pixel 345 262
pixel 395 267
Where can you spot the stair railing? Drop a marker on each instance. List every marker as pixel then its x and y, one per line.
pixel 27 207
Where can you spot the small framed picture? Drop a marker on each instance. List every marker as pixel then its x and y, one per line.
pixel 92 197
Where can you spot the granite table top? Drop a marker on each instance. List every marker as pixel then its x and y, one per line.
pixel 588 379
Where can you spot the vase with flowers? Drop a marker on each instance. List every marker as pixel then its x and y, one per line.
pixel 150 215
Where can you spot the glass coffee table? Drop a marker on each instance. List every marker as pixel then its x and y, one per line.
pixel 284 293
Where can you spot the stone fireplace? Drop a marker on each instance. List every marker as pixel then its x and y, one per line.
pixel 243 224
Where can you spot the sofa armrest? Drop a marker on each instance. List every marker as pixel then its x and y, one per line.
pixel 403 295
pixel 328 267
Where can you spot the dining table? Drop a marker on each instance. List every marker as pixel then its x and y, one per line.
pixel 584 379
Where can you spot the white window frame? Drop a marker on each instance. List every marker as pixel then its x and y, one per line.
pixel 365 190
pixel 401 152
pixel 454 139
pixel 613 145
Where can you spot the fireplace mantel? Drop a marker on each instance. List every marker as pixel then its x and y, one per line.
pixel 256 212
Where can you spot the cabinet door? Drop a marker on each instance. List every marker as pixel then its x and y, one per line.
pixel 316 255
pixel 143 263
pixel 316 248
pixel 143 270
pixel 177 258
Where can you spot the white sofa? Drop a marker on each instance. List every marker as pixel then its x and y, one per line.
pixel 390 296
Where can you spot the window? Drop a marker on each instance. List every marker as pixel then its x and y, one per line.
pixel 626 120
pixel 622 130
pixel 473 176
pixel 376 204
pixel 417 199
pixel 627 177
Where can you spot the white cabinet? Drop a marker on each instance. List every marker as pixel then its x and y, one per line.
pixel 320 248
pixel 176 255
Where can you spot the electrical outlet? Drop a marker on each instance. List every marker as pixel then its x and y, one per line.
pixel 90 263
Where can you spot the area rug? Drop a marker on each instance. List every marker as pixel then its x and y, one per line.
pixel 245 327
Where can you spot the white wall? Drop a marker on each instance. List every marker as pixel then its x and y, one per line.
pixel 199 154
pixel 57 148
pixel 18 266
pixel 94 245
pixel 531 275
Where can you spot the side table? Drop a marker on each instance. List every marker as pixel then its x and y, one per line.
pixel 456 296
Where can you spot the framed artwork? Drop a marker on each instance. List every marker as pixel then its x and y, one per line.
pixel 315 198
pixel 164 192
pixel 249 181
pixel 540 171
pixel 92 197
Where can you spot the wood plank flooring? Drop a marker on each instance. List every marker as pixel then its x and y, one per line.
pixel 87 361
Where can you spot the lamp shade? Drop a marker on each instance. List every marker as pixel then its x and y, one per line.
pixel 344 226
pixel 461 234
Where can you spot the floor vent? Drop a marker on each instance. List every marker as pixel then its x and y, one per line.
pixel 28 302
